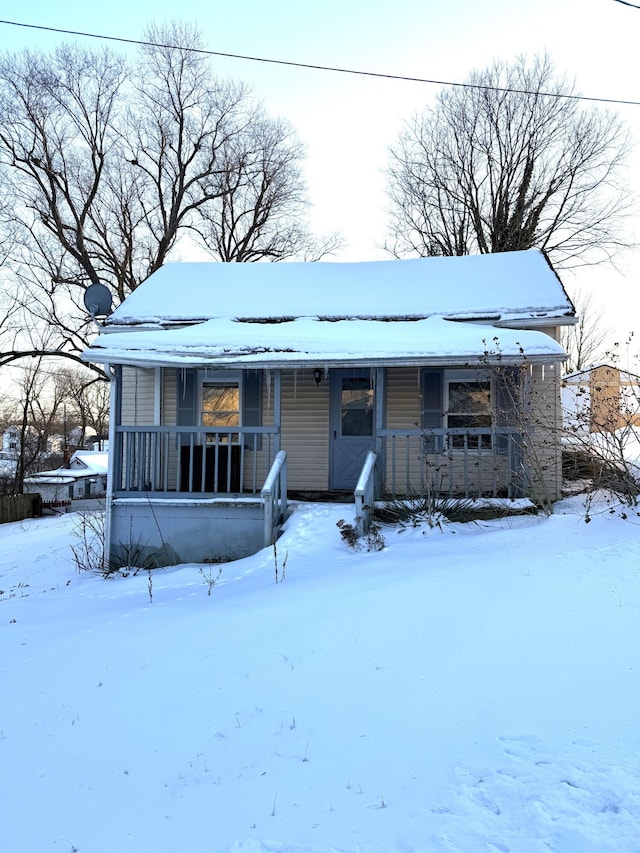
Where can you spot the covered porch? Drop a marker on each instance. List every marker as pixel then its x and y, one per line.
pixel 196 493
pixel 187 495
pixel 188 463
pixel 206 443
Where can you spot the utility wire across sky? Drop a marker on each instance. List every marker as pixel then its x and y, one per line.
pixel 315 67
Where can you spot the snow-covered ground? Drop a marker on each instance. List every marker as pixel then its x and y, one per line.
pixel 475 688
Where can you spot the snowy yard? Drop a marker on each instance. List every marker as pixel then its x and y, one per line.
pixel 475 688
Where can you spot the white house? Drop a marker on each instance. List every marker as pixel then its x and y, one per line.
pixel 85 477
pixel 232 383
pixel 11 442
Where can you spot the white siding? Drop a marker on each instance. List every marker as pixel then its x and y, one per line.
pixel 403 409
pixel 544 449
pixel 305 430
pixel 169 409
pixel 138 395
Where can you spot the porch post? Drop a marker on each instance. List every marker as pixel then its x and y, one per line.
pixel 155 440
pixel 114 455
pixel 380 387
pixel 277 410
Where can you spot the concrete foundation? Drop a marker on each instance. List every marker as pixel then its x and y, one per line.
pixel 153 532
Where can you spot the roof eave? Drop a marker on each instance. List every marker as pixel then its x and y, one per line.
pixel 533 323
pixel 306 362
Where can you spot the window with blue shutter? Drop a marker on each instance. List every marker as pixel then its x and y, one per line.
pixel 225 401
pixel 187 414
pixel 252 405
pixel 458 399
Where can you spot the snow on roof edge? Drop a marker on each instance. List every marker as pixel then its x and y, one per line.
pixel 306 341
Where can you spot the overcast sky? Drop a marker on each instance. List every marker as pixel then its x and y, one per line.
pixel 348 121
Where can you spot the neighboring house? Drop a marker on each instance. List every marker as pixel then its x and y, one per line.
pixel 81 438
pixel 11 442
pixel 601 398
pixel 84 477
pixel 233 382
pixel 34 442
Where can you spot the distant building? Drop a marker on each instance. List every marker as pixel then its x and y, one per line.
pixel 601 398
pixel 11 442
pixel 85 477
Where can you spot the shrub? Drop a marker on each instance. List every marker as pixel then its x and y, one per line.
pixel 373 540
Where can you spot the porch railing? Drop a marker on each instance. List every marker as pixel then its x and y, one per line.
pixel 274 497
pixel 469 462
pixel 165 459
pixel 185 460
pixel 364 494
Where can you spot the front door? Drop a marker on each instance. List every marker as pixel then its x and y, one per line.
pixel 351 424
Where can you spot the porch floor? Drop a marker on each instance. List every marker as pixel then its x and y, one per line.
pixel 337 497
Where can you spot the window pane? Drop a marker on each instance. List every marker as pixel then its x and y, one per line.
pixel 470 397
pixel 357 422
pixel 357 407
pixel 220 419
pixel 220 405
pixel 469 421
pixel 221 398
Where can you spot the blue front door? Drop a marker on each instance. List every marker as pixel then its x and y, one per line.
pixel 351 423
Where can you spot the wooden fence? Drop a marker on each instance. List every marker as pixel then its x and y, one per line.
pixel 17 507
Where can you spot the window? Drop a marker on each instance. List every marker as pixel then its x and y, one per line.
pixel 220 407
pixel 357 406
pixel 461 400
pixel 221 398
pixel 468 405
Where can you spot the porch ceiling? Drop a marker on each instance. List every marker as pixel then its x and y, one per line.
pixel 308 341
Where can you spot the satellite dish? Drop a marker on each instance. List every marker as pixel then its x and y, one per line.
pixel 97 300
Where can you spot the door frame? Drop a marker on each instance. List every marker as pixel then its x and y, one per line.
pixel 336 375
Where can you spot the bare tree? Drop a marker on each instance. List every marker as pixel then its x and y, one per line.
pixel 511 161
pixel 180 123
pixel 37 411
pixel 113 168
pixel 86 398
pixel 56 145
pixel 584 343
pixel 261 212
pixel 212 161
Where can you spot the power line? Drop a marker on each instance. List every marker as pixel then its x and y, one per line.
pixel 626 3
pixel 314 67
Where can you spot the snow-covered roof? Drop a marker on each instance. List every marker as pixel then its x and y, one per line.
pixel 505 285
pixel 585 374
pixel 90 461
pixel 383 312
pixel 297 342
pixel 50 478
pixel 83 463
